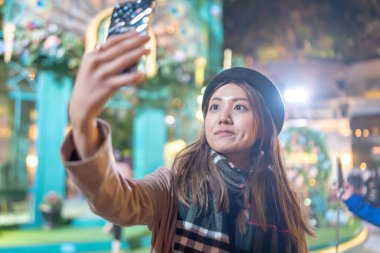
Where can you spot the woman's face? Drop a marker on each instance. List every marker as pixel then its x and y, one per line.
pixel 230 124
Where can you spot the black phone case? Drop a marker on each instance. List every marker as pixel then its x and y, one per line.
pixel 340 173
pixel 131 16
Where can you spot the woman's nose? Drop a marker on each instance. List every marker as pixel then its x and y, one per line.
pixel 225 118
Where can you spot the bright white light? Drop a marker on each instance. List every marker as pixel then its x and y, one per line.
pixel 346 159
pixel 199 115
pixel 296 95
pixel 31 161
pixel 199 99
pixel 203 90
pixel 169 119
pixel 307 202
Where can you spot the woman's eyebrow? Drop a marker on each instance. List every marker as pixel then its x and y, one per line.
pixel 229 98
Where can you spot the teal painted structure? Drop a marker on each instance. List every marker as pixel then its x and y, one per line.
pixel 215 33
pixel 53 95
pixel 149 128
pixel 211 14
pixel 21 96
pixel 149 138
pixel 22 90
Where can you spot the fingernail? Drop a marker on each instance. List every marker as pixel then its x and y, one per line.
pixel 133 33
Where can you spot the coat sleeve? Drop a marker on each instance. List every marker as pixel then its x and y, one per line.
pixel 120 200
pixel 363 209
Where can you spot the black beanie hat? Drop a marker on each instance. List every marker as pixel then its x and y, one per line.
pixel 267 89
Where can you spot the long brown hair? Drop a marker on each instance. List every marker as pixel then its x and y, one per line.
pixel 195 170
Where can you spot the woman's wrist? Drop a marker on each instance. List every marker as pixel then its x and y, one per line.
pixel 84 125
pixel 86 138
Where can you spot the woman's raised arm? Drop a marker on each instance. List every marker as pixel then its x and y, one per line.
pixel 99 77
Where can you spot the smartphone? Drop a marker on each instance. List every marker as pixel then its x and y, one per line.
pixel 131 16
pixel 340 174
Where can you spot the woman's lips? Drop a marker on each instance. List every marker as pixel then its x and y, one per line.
pixel 224 133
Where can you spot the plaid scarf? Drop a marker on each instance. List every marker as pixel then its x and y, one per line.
pixel 216 231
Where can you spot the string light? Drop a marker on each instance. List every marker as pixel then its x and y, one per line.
pixel 307 202
pixel 200 65
pixel 169 119
pixel 227 61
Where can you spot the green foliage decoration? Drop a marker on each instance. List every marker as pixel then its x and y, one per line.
pixel 309 177
pixel 47 47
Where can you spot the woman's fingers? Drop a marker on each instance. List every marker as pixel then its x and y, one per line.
pixel 121 63
pixel 121 47
pixel 101 74
pixel 126 79
pixel 113 40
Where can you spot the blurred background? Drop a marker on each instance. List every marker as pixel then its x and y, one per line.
pixel 324 56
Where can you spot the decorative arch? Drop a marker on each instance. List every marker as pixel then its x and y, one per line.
pixel 308 167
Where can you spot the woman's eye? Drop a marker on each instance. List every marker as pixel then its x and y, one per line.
pixel 240 108
pixel 214 107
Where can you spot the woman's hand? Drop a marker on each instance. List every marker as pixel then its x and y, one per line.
pixel 99 77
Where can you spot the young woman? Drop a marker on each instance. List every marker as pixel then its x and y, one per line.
pixel 226 192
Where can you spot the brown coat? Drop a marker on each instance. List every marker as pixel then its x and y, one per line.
pixel 125 201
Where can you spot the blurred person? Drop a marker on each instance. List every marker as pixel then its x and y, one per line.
pixel 372 185
pixel 226 192
pixel 117 232
pixel 352 196
pixel 51 209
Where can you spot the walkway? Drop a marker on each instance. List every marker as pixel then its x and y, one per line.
pixel 372 245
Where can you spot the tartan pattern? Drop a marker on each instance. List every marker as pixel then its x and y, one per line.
pixel 192 238
pixel 210 230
